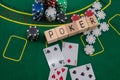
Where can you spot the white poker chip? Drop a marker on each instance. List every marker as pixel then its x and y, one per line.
pixel 89 49
pixel 87 32
pixel 50 14
pixel 101 15
pixel 90 39
pixel 97 5
pixel 96 31
pixel 104 27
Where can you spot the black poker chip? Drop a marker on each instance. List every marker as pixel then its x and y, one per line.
pixel 37 16
pixel 61 17
pixel 32 33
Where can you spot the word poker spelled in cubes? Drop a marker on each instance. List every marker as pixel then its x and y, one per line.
pixel 71 29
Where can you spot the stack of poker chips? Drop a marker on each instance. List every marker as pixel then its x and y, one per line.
pixel 51 3
pixel 50 9
pixel 32 33
pixel 61 17
pixel 37 11
pixel 61 5
pixel 50 14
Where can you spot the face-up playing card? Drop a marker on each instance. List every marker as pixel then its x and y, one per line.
pixel 70 53
pixel 54 56
pixel 58 74
pixel 84 72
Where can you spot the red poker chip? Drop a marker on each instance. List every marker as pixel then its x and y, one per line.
pixel 89 13
pixel 75 17
pixel 51 3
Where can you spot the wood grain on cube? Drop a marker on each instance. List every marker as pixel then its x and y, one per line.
pixel 72 29
pixel 61 32
pixel 82 25
pixel 51 36
pixel 92 21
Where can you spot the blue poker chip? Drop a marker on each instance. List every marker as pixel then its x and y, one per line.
pixel 38 7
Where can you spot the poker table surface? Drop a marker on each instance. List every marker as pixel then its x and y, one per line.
pixel 21 59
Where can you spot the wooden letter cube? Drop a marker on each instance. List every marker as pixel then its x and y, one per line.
pixel 61 32
pixel 72 29
pixel 82 25
pixel 51 36
pixel 92 21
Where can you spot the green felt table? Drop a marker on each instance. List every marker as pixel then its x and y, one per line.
pixel 21 59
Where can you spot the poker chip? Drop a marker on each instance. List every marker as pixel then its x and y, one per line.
pixel 89 13
pixel 101 15
pixel 61 17
pixel 51 3
pixel 43 1
pixel 51 13
pixel 90 39
pixel 33 33
pixel 93 10
pixel 61 5
pixel 37 7
pixel 37 11
pixel 88 32
pixel 104 27
pixel 97 5
pixel 37 16
pixel 96 32
pixel 75 17
pixel 89 49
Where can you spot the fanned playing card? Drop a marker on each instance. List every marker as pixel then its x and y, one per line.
pixel 84 72
pixel 54 56
pixel 70 53
pixel 58 74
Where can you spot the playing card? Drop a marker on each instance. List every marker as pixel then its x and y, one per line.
pixel 70 53
pixel 84 72
pixel 54 56
pixel 58 74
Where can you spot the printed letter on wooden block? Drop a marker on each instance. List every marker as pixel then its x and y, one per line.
pixel 82 25
pixel 72 29
pixel 51 36
pixel 92 21
pixel 61 32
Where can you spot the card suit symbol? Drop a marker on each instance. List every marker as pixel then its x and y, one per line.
pixel 60 61
pixel 48 51
pixel 53 76
pixel 55 69
pixel 90 75
pixel 55 49
pixel 61 78
pixel 63 69
pixel 58 72
pixel 68 60
pixel 74 72
pixel 82 73
pixel 87 67
pixel 76 79
pixel 70 46
pixel 53 64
